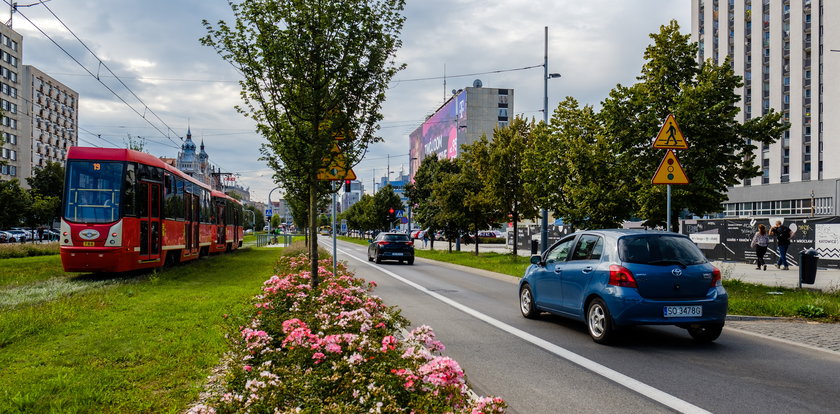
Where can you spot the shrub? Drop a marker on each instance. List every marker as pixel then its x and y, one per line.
pixel 811 311
pixel 17 250
pixel 336 349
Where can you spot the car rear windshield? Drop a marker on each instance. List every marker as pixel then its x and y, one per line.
pixel 396 237
pixel 659 250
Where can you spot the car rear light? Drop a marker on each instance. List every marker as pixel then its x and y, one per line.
pixel 716 278
pixel 411 243
pixel 382 243
pixel 622 276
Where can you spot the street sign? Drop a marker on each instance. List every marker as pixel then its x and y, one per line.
pixel 670 171
pixel 404 220
pixel 344 225
pixel 670 136
pixel 337 169
pixel 400 213
pixel 268 212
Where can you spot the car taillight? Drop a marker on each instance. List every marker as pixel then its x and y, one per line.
pixel 716 278
pixel 382 243
pixel 411 243
pixel 621 276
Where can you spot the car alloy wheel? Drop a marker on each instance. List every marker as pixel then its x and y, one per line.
pixel 599 321
pixel 526 303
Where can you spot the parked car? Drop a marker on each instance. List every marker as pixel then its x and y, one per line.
pixel 391 246
pixel 7 237
pixel 610 279
pixel 19 234
pixel 490 234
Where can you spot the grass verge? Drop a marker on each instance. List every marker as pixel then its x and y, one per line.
pixel 26 270
pixel 10 250
pixel 142 344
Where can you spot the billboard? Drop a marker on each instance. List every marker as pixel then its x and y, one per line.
pixel 442 134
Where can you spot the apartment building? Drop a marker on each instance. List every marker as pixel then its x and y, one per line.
pixel 783 51
pixel 13 149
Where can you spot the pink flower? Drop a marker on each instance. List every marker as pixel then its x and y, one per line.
pixel 247 368
pixel 318 357
pixel 388 343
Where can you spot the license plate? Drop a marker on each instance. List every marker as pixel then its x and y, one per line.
pixel 87 244
pixel 396 253
pixel 683 311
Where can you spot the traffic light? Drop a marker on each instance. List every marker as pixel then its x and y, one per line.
pixel 391 215
pixel 346 186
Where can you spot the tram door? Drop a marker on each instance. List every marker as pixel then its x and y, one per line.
pixel 149 214
pixel 191 223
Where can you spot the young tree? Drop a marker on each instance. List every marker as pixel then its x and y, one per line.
pixel 312 72
pixel 420 193
pixel 48 181
pixel 504 172
pixel 703 99
pixel 383 201
pixel 15 201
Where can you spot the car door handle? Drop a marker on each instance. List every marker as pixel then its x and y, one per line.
pixel 588 269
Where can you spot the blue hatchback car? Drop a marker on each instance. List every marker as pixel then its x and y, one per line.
pixel 615 278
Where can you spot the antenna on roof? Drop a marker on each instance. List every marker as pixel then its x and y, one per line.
pixel 444 82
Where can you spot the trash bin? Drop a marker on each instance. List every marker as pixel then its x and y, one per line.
pixel 535 246
pixel 808 266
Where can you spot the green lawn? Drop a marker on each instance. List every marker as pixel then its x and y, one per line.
pixel 139 344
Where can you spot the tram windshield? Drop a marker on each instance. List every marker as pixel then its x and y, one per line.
pixel 92 193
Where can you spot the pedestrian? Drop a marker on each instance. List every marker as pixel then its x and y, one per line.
pixel 40 233
pixel 425 238
pixel 760 242
pixel 783 236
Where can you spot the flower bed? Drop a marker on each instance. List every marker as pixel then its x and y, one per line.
pixel 337 349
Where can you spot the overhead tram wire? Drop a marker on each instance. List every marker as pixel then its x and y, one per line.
pixel 100 81
pixel 398 81
pixel 111 72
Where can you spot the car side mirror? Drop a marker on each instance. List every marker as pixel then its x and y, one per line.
pixel 537 260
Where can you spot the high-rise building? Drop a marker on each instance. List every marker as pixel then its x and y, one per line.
pixel 778 47
pixel 40 114
pixel 15 148
pixel 353 196
pixel 462 119
pixel 50 119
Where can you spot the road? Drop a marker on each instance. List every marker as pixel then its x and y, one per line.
pixel 551 365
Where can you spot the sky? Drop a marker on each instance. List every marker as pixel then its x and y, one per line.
pixel 166 81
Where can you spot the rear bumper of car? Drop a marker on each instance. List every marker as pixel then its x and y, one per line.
pixel 629 308
pixel 395 255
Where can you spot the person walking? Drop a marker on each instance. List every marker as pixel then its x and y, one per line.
pixel 760 242
pixel 783 236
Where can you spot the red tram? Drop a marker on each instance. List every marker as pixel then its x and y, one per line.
pixel 125 210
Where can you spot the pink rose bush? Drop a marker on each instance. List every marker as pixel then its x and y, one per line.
pixel 337 349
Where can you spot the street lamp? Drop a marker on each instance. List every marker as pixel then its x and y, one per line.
pixel 546 77
pixel 271 206
pixel 410 176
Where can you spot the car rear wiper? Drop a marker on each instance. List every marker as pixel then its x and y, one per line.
pixel 667 262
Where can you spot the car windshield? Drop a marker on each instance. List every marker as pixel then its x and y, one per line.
pixel 396 237
pixel 659 250
pixel 93 191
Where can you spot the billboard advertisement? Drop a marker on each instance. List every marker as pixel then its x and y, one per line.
pixel 441 134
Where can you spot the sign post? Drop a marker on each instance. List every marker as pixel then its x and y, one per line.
pixel 335 169
pixel 670 171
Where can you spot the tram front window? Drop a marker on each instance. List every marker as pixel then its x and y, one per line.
pixel 92 194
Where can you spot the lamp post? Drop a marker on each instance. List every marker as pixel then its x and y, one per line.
pixel 410 176
pixel 546 77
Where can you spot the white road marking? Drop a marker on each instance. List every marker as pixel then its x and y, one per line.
pixel 634 385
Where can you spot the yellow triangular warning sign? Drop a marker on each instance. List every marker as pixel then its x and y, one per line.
pixel 336 170
pixel 670 136
pixel 670 171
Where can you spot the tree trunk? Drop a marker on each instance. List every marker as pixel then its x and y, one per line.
pixel 476 239
pixel 313 231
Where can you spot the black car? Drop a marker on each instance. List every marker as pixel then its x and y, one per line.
pixel 391 246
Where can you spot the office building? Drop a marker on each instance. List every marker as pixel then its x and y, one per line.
pixel 462 119
pixel 779 48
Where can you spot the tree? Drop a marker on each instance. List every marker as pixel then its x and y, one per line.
pixel 42 210
pixel 312 71
pixel 703 99
pixel 587 188
pixel 504 172
pixel 384 201
pixel 259 219
pixel 15 201
pixel 48 181
pixel 478 203
pixel 420 193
